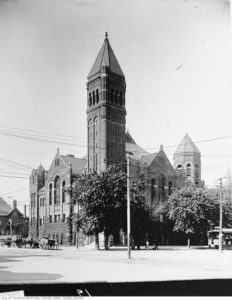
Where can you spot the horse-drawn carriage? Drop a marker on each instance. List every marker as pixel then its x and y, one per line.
pixel 11 241
pixel 47 243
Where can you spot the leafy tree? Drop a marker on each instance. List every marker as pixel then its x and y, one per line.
pixel 192 209
pixel 103 205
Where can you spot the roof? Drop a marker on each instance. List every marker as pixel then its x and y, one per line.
pixel 106 57
pixel 148 158
pixel 135 150
pixel 129 138
pixel 5 208
pixel 40 168
pixel 186 146
pixel 78 164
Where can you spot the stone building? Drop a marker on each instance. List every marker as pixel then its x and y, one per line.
pixel 187 161
pixel 12 221
pixel 108 142
pixel 50 205
pixel 106 113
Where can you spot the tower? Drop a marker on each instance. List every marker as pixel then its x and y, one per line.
pixel 187 161
pixel 37 180
pixel 106 113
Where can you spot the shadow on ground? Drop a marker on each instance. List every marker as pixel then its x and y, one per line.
pixel 214 287
pixel 6 276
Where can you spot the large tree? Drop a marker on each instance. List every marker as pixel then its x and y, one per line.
pixel 193 210
pixel 103 205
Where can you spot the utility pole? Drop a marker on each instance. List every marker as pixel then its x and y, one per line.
pixel 220 217
pixel 128 207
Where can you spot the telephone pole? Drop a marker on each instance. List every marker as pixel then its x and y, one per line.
pixel 128 207
pixel 220 217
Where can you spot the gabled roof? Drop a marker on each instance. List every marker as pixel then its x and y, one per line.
pixel 148 158
pixel 106 58
pixel 40 169
pixel 4 207
pixel 14 209
pixel 78 164
pixel 186 146
pixel 129 138
pixel 135 150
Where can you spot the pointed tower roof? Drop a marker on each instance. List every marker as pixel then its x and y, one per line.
pixel 186 146
pixel 106 58
pixel 40 168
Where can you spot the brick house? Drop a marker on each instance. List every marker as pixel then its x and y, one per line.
pixel 12 221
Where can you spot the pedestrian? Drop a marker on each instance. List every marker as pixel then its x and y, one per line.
pixel 147 245
pixel 155 245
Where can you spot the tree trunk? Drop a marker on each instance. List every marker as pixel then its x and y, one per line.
pixel 96 241
pixel 106 236
pixel 188 242
pixel 106 241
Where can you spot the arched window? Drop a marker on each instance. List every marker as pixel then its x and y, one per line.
pixel 169 188
pixel 93 98
pixel 188 170
pixel 116 98
pixel 57 162
pixel 97 96
pixel 196 174
pixel 63 192
pixel 153 189
pixel 57 190
pixel 112 96
pixel 179 170
pixel 162 183
pixel 50 194
pixel 120 98
pixel 90 100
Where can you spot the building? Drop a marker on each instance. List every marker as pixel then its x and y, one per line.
pixel 12 221
pixel 106 113
pixel 108 143
pixel 50 205
pixel 187 161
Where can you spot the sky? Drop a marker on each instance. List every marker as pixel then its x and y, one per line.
pixel 175 55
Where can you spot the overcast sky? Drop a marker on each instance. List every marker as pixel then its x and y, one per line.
pixel 175 57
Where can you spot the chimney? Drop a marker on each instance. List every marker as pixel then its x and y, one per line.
pixel 25 211
pixel 14 204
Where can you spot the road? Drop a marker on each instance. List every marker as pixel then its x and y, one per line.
pixel 86 265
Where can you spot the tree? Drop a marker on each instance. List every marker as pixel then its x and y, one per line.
pixel 103 206
pixel 192 209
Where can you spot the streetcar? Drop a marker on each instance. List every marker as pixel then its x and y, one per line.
pixel 213 238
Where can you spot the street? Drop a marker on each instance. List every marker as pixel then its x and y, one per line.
pixel 86 265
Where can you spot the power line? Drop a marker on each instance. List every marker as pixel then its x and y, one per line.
pixel 18 164
pixel 42 132
pixel 10 192
pixel 13 173
pixel 36 138
pixel 15 177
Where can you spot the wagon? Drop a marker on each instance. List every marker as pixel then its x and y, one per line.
pixel 46 243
